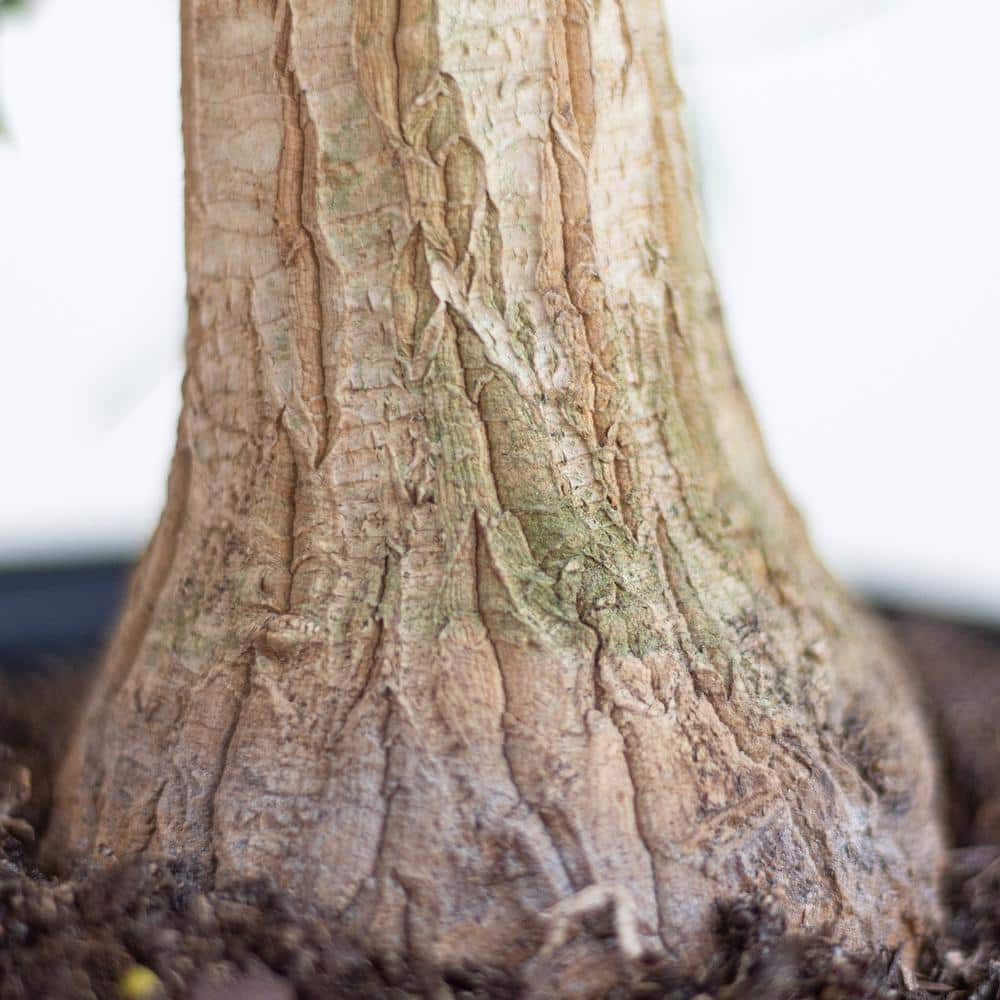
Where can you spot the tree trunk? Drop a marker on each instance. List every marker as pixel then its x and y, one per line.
pixel 474 589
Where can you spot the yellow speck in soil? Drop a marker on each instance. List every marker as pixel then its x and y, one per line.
pixel 140 983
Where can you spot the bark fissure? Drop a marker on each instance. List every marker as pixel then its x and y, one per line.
pixel 640 821
pixel 212 824
pixel 298 244
pixel 572 125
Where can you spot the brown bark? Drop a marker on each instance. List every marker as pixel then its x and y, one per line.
pixel 475 595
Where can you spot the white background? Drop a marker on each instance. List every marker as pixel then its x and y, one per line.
pixel 849 158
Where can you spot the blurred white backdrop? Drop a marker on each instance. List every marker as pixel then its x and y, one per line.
pixel 848 166
pixel 91 273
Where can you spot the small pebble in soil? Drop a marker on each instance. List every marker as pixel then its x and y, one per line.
pixel 140 983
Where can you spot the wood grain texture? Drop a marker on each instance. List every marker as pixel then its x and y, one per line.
pixel 474 589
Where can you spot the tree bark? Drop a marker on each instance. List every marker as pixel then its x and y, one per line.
pixel 474 589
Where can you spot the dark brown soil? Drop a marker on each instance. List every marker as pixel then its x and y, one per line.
pixel 141 931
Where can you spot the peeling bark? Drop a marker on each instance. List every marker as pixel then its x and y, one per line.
pixel 474 590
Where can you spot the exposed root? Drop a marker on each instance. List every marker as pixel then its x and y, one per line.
pixel 563 919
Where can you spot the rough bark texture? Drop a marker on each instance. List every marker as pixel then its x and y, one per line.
pixel 474 589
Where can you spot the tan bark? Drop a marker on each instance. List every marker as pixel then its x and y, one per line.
pixel 474 590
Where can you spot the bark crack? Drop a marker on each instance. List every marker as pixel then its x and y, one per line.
pixel 302 249
pixel 482 562
pixel 212 821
